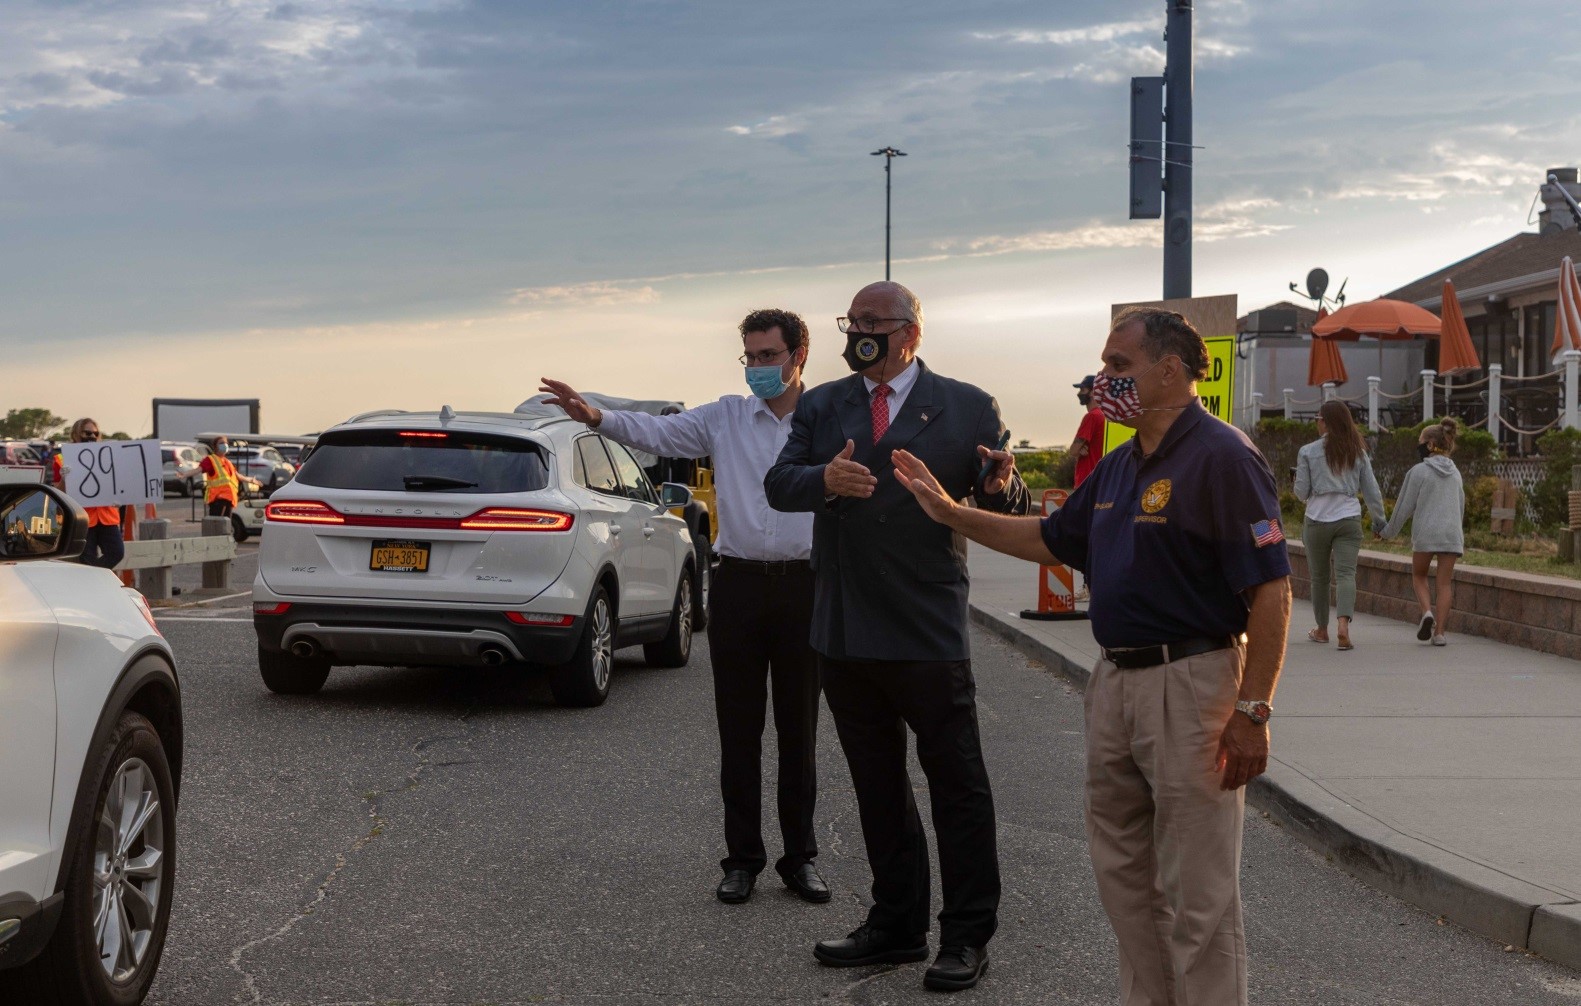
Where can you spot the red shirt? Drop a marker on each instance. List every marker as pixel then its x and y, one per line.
pixel 1091 430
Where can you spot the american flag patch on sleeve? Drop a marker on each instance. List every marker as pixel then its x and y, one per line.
pixel 1267 532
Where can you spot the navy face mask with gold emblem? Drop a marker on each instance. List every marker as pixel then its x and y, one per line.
pixel 862 351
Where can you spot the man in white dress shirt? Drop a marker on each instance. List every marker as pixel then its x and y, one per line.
pixel 760 608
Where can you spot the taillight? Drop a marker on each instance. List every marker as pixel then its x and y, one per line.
pixel 277 608
pixel 511 519
pixel 303 512
pixel 143 609
pixel 423 435
pixel 534 618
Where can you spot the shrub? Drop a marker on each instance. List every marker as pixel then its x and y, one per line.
pixel 1479 501
pixel 1280 440
pixel 1395 454
pixel 1560 449
pixel 1046 470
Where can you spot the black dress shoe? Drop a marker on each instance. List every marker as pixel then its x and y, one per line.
pixel 871 946
pixel 807 884
pixel 736 887
pixel 956 968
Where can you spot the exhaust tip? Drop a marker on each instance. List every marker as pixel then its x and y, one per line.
pixel 304 648
pixel 492 656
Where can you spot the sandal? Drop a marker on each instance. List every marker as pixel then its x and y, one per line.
pixel 1345 644
pixel 1312 634
pixel 1344 634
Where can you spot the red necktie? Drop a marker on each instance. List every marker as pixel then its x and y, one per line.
pixel 880 411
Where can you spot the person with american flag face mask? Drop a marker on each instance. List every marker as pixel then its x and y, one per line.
pixel 1179 533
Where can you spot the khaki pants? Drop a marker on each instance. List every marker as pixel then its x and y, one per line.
pixel 1165 840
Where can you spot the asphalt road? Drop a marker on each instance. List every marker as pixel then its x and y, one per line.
pixel 430 837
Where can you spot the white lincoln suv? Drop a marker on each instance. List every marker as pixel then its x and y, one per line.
pixel 471 539
pixel 90 761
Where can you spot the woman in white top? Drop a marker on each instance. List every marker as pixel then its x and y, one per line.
pixel 1330 472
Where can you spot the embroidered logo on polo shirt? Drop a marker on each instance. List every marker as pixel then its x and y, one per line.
pixel 1156 496
pixel 1267 532
pixel 1104 506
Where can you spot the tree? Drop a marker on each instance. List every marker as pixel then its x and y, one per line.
pixel 28 424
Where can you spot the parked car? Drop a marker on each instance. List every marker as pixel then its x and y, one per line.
pixel 181 461
pixel 20 454
pixel 262 462
pixel 91 741
pixel 469 540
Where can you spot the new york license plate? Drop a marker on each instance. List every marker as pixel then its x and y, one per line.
pixel 400 556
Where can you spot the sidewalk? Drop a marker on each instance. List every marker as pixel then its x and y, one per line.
pixel 1449 777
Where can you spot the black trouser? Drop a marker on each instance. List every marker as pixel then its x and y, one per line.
pixel 105 546
pixel 758 627
pixel 220 508
pixel 873 703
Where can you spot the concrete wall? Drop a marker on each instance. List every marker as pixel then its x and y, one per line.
pixel 1522 609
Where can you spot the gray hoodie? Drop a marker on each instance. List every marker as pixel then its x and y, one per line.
pixel 1433 500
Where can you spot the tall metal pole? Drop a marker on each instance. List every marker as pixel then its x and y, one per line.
pixel 1177 152
pixel 889 154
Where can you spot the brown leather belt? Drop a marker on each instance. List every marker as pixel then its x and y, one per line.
pixel 1130 658
pixel 777 567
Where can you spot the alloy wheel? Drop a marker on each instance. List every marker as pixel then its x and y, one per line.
pixel 603 644
pixel 128 869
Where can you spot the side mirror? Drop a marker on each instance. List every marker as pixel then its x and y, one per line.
pixel 673 494
pixel 40 522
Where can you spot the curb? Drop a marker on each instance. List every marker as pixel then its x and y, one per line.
pixel 1468 893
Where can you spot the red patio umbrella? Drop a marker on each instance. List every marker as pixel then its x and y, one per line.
pixel 1379 319
pixel 1326 366
pixel 1456 354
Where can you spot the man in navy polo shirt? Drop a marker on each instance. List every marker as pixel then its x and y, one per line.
pixel 1180 535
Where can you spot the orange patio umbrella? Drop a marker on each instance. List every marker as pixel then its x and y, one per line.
pixel 1379 319
pixel 1456 354
pixel 1326 366
pixel 1567 323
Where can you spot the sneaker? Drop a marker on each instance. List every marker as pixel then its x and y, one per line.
pixel 1424 628
pixel 1439 640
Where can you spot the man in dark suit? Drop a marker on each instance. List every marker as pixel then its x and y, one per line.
pixel 889 625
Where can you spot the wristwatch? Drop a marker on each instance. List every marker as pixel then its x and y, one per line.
pixel 1257 709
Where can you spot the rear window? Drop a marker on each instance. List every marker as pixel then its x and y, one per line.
pixel 385 460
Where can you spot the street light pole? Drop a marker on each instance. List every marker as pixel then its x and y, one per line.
pixel 1177 152
pixel 888 154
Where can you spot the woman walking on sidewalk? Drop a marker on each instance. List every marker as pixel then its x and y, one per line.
pixel 1435 503
pixel 1329 473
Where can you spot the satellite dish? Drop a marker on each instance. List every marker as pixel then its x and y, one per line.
pixel 1317 284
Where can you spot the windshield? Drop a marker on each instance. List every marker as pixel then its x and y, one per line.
pixel 425 461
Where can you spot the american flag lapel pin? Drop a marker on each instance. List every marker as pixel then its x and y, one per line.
pixel 924 417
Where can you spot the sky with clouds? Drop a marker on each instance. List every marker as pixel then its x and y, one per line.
pixel 352 204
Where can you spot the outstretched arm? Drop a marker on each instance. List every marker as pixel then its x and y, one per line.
pixel 1021 537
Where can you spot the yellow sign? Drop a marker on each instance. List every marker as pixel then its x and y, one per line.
pixel 1217 389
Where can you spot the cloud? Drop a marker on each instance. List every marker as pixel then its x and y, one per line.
pixel 1106 32
pixel 600 293
pixel 773 126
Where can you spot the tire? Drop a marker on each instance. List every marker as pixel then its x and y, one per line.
pixel 238 529
pixel 703 550
pixel 140 859
pixel 675 649
pixel 285 674
pixel 584 679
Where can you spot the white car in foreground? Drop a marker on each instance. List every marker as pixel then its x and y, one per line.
pixel 469 540
pixel 90 761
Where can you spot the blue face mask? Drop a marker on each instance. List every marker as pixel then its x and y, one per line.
pixel 766 382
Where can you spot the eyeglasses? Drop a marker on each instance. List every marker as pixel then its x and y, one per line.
pixel 763 359
pixel 869 326
pixel 90 434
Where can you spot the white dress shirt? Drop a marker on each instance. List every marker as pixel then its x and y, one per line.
pixel 744 438
pixel 899 387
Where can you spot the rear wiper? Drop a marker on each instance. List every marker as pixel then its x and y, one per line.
pixel 435 482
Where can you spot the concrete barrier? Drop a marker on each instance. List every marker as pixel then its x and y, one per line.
pixel 155 554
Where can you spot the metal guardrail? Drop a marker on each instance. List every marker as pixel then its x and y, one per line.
pixel 154 555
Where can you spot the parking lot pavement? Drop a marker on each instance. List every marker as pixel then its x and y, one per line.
pixel 433 837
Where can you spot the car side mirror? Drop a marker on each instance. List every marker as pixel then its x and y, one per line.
pixel 673 494
pixel 40 522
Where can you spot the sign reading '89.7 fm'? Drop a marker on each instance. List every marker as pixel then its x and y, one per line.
pixel 113 472
pixel 1214 319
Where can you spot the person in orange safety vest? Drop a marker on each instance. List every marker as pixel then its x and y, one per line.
pixel 221 481
pixel 106 546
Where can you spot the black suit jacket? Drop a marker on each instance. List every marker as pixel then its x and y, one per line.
pixel 891 583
